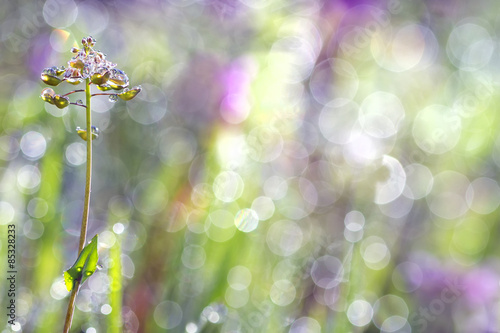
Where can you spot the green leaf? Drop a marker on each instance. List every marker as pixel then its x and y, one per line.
pixel 84 266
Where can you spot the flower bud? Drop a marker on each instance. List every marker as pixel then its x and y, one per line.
pixel 104 87
pixel 101 77
pixel 73 76
pixel 76 63
pixel 50 79
pixel 83 133
pixel 60 70
pixel 128 94
pixel 54 71
pixel 61 101
pixel 118 79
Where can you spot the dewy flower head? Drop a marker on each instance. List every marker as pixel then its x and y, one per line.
pixel 87 63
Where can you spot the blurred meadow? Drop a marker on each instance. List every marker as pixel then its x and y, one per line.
pixel 289 166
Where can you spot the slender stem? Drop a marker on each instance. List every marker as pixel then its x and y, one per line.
pixel 71 305
pixel 103 94
pixel 83 106
pixel 86 206
pixel 74 91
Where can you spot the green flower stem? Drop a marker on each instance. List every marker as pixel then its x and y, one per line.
pixel 86 206
pixel 71 307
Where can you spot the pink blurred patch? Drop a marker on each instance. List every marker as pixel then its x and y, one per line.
pixel 481 286
pixel 234 81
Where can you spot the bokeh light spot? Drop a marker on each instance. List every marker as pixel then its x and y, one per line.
pixel 168 315
pixel 193 256
pixel 447 198
pixel 150 197
pixel 483 195
pixel 60 14
pixel 284 238
pixel 360 313
pixel 106 309
pixel 389 189
pixel 436 129
pixel 239 277
pixel 7 212
pixel 381 114
pixel 28 179
pixel 246 220
pixel 407 277
pixel 228 186
pixel 389 306
pixel 93 17
pixel 419 181
pixel 265 144
pixel 264 207
pixel 469 46
pixel 470 236
pixel 33 229
pixel 375 252
pixel 76 153
pixel 236 298
pixel 37 208
pixel 327 272
pixel 60 40
pixel 282 292
pixel 305 324
pixel 33 145
pixel 118 228
pixel 334 79
pixel 176 146
pixel 337 120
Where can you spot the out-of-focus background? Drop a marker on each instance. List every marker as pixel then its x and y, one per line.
pixel 289 166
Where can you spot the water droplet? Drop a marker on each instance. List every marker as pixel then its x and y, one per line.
pixel 48 95
pixel 79 101
pixel 86 70
pixel 95 131
pixel 113 98
pixel 215 312
pixel 49 71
